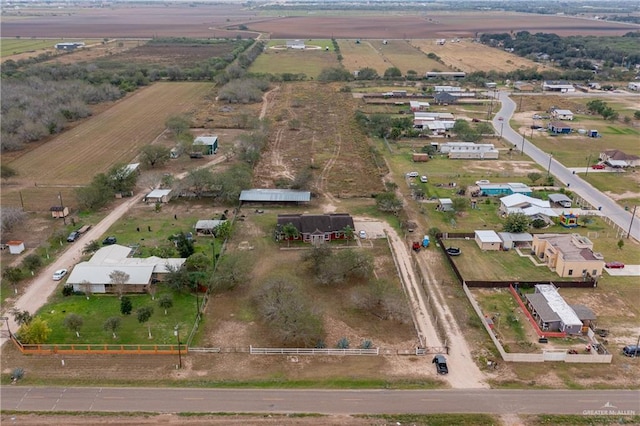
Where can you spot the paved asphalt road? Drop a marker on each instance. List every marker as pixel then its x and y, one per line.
pixel 593 196
pixel 163 400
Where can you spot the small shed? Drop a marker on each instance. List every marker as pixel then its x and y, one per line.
pixel 559 128
pixel 208 145
pixel 207 227
pixel 419 157
pixel 445 205
pixel 15 246
pixel 488 240
pixel 58 212
pixel 593 133
pixel 512 240
pixel 158 196
pixel 586 315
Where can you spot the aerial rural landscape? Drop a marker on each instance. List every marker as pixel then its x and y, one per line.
pixel 302 213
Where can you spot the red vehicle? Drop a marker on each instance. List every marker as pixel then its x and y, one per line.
pixel 598 167
pixel 614 265
pixel 416 245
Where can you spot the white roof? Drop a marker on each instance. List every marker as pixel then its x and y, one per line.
pixel 488 236
pixel 617 163
pixel 558 304
pixel 132 167
pixel 208 224
pixel 517 199
pixel 205 140
pixel 99 274
pixel 445 201
pixel 158 193
pixel 416 104
pixel 534 210
pixel 114 258
pixel 556 198
pixel 563 112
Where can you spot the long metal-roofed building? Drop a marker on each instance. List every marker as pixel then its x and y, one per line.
pixel 272 195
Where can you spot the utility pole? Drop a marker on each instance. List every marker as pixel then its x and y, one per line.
pixel 64 218
pixel 549 167
pixel 522 151
pixel 176 332
pixel 633 216
pixel 588 162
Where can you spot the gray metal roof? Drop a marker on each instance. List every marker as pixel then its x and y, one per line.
pixel 209 223
pixel 556 198
pixel 583 312
pixel 275 195
pixel 99 274
pixel 543 309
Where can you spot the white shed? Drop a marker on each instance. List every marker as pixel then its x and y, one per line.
pixel 15 247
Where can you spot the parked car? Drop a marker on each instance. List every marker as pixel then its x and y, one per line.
pixel 631 350
pixel 363 234
pixel 598 167
pixel 441 364
pixel 500 119
pixel 413 174
pixel 73 236
pixel 59 274
pixel 424 179
pixel 454 251
pixel 482 182
pixel 109 240
pixel 614 265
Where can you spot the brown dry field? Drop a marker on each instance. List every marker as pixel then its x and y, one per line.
pixel 328 140
pixel 172 54
pixel 113 136
pixel 405 57
pixel 128 20
pixel 468 56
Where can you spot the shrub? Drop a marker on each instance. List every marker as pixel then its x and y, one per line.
pixel 343 343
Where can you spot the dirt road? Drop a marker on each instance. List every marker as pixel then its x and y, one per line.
pixel 42 286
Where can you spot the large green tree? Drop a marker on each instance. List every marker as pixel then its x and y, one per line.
pixel 517 223
pixel 154 155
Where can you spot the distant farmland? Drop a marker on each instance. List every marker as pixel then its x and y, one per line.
pixel 468 56
pixel 114 136
pixel 308 62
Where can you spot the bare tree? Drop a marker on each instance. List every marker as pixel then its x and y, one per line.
pixel 10 217
pixel 85 286
pixel 73 322
pixel 150 179
pixel 112 324
pixel 118 281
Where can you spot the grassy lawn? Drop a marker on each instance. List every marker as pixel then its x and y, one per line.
pixel 98 308
pixel 617 183
pixel 308 62
pixel 16 46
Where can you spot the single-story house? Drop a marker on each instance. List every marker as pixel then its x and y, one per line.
pixel 515 240
pixel 488 240
pixel 58 212
pixel 445 205
pixel 142 272
pixel 208 145
pixel 615 155
pixel 158 196
pixel 568 255
pixel 529 206
pixel 295 44
pixel 419 106
pixel 15 246
pixel 523 86
pixel 492 189
pixel 449 89
pixel 69 45
pixel 561 200
pixel 207 227
pixel 559 128
pixel 490 85
pixel 433 115
pixel 469 150
pixel 444 98
pixel 562 114
pixel 268 195
pixel 315 228
pixel 551 311
pixel 132 168
pixel 558 86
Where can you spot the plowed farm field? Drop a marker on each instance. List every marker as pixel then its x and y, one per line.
pixel 468 56
pixel 113 136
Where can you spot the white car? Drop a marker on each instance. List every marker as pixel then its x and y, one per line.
pixel 482 182
pixel 424 179
pixel 59 274
pixel 412 174
pixel 363 234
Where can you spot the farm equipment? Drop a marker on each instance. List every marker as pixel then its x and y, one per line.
pixel 416 246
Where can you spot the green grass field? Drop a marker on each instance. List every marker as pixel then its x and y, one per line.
pixel 14 46
pixel 98 308
pixel 308 62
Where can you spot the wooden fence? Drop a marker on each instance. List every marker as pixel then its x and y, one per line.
pixel 98 349
pixel 311 351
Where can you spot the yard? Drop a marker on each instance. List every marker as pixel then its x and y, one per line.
pixel 293 61
pixel 402 55
pixel 365 54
